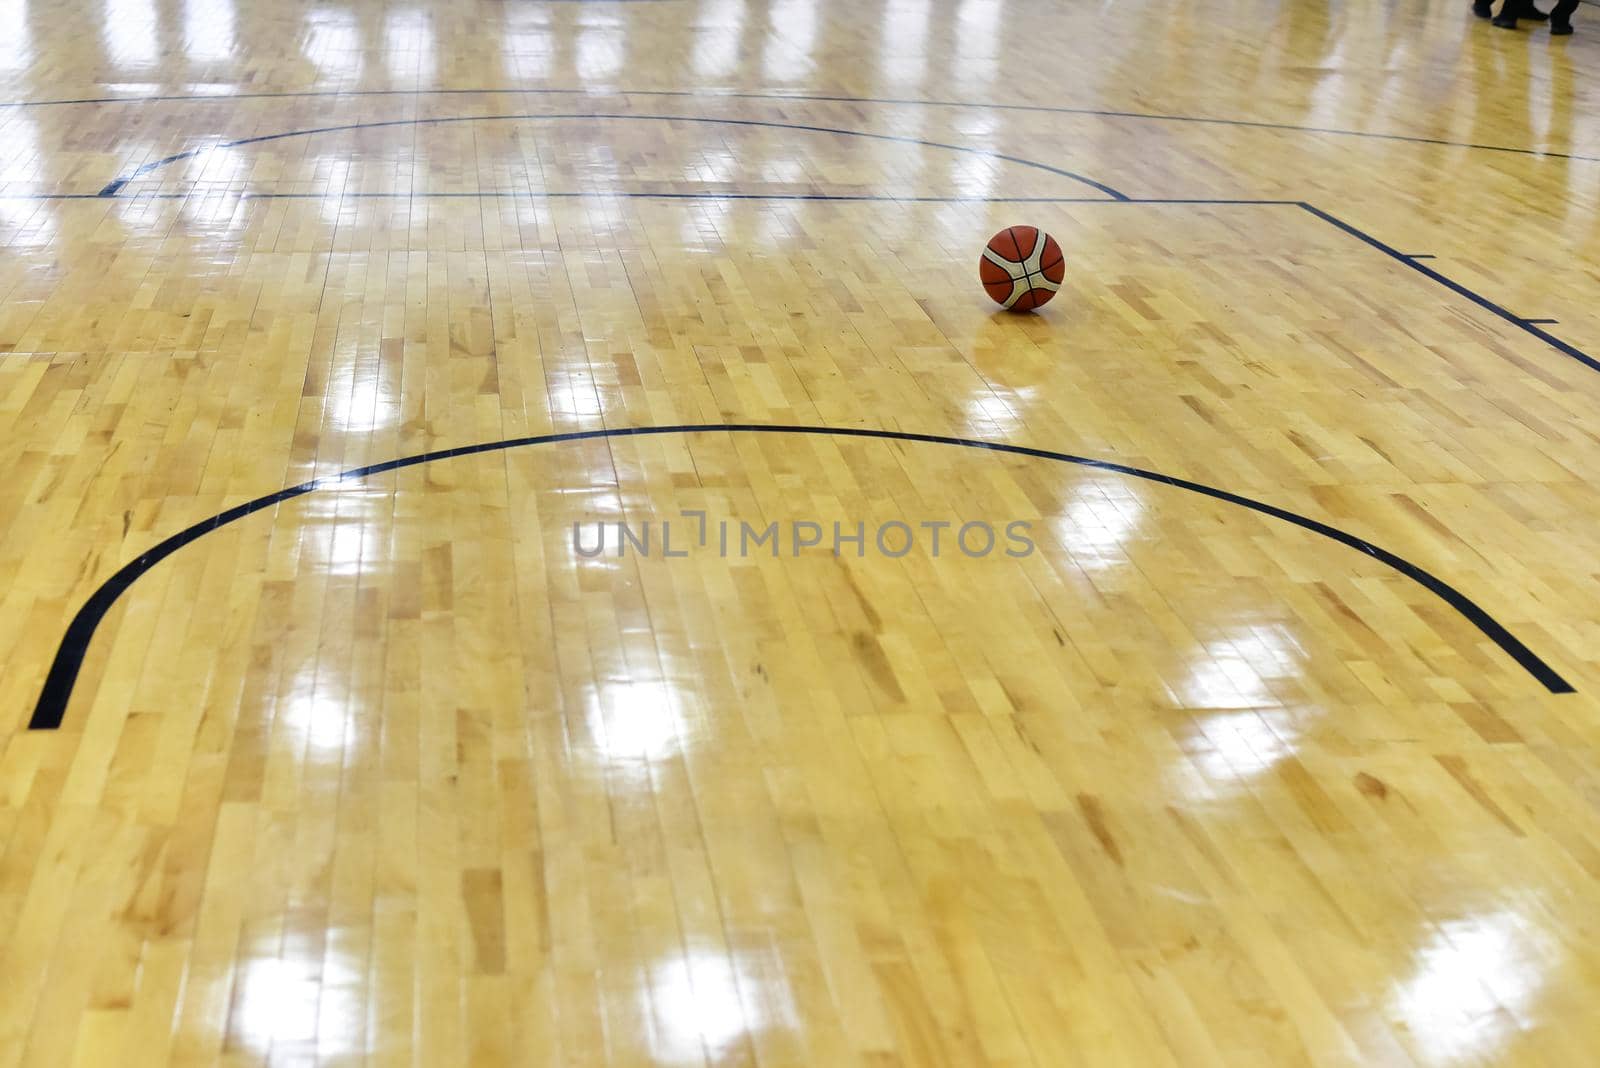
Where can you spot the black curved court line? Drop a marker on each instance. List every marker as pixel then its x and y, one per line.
pixel 115 186
pixel 712 94
pixel 58 685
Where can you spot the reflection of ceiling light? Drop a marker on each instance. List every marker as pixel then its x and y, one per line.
pixel 1102 516
pixel 26 222
pixel 1474 981
pixel 408 46
pixel 716 44
pixel 600 52
pixel 128 29
pixel 975 176
pixel 698 1010
pixel 573 392
pixel 636 721
pixel 332 42
pixel 1227 749
pixel 333 209
pixel 22 222
pixel 211 210
pixel 344 546
pixel 977 41
pixel 301 1000
pixel 703 224
pixel 276 1002
pixel 787 169
pixel 527 52
pixel 316 719
pixel 16 46
pixel 993 415
pixel 364 406
pixel 1236 670
pixel 794 34
pixel 1231 748
pixel 904 56
pixel 346 533
pixel 208 30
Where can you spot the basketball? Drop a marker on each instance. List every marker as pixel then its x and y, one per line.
pixel 1022 268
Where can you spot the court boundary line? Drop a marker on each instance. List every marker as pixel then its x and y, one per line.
pixel 114 189
pixel 55 695
pixel 1528 325
pixel 70 654
pixel 821 98
pixel 116 185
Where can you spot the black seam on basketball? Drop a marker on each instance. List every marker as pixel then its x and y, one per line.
pixel 1010 232
pixel 1022 261
pixel 1038 246
pixel 1009 282
pixel 1037 233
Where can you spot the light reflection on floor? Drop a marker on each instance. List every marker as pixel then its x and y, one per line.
pixel 700 1010
pixel 636 721
pixel 1475 981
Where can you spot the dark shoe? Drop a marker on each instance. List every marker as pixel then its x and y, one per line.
pixel 1484 9
pixel 1560 29
pixel 1505 22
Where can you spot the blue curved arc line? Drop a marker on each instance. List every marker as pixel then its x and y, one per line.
pixel 114 187
pixel 63 676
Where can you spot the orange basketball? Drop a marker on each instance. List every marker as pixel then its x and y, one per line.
pixel 1022 268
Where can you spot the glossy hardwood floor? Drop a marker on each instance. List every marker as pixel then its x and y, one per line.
pixel 1263 755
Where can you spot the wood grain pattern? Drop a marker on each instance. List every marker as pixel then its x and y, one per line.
pixel 392 774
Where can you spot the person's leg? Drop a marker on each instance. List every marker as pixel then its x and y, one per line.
pixel 1561 17
pixel 1512 10
pixel 1483 8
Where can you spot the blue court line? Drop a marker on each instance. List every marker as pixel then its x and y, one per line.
pixel 54 697
pixel 116 185
pixel 1147 116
